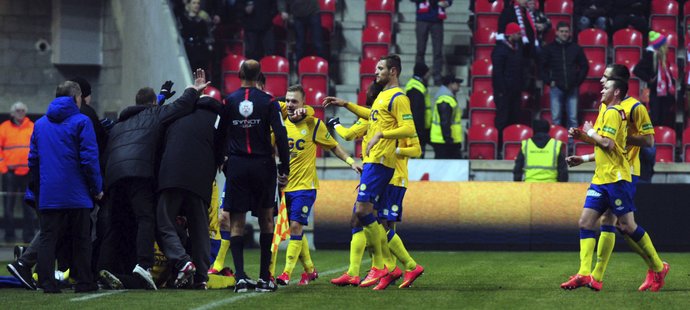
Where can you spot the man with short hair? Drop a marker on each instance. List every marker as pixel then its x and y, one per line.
pixel 64 154
pixel 541 158
pixel 446 129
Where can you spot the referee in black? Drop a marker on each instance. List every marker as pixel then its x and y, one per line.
pixel 250 115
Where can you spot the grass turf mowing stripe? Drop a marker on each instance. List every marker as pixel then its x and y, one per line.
pixel 92 296
pixel 230 300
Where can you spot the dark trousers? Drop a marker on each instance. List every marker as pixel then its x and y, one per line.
pixel 259 44
pixel 313 23
pixel 14 186
pixel 423 29
pixel 174 202
pixel 507 109
pixel 55 225
pixel 447 151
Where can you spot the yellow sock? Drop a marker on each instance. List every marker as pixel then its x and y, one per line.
pixel 305 256
pixel 274 260
pixel 357 245
pixel 607 240
pixel 586 253
pixel 220 258
pixel 637 249
pixel 386 255
pixel 373 232
pixel 398 249
pixel 293 250
pixel 217 282
pixel 646 244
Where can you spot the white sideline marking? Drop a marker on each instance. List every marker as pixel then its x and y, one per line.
pixel 250 295
pixel 92 296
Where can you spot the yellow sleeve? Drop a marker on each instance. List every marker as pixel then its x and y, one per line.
pixel 283 109
pixel 403 115
pixel 641 121
pixel 611 123
pixel 413 148
pixel 322 137
pixel 358 130
pixel 360 111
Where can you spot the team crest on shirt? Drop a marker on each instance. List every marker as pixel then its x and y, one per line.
pixel 305 209
pixel 246 108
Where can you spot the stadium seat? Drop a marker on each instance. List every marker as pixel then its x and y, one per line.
pixel 582 148
pixel 487 13
pixel 590 93
pixel 686 145
pixel 482 142
pixel 594 43
pixel 379 13
pixel 686 13
pixel 561 134
pixel 327 14
pixel 367 73
pixel 231 68
pixel 313 72
pixel 665 142
pixel 664 15
pixel 596 69
pixel 557 11
pixel 486 21
pixel 484 41
pixel 595 55
pixel 314 98
pixel 627 45
pixel 545 105
pixel 277 70
pixel 482 108
pixel 375 42
pixel 512 139
pixel 231 37
pixel 214 93
pixel 362 97
pixel 481 74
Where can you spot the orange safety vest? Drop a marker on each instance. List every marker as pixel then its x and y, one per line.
pixel 14 146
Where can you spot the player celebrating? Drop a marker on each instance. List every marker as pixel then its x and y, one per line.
pixel 304 134
pixel 389 119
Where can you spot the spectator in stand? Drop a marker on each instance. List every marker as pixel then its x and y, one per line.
pixel 633 13
pixel 15 135
pixel 257 22
pixel 524 18
pixel 564 67
pixel 305 17
pixel 653 68
pixel 541 22
pixel 446 129
pixel 195 30
pixel 429 21
pixel 508 69
pixel 541 158
pixel 420 102
pixel 592 13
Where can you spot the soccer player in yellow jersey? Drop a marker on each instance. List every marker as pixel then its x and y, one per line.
pixel 390 119
pixel 611 184
pixel 640 134
pixel 304 134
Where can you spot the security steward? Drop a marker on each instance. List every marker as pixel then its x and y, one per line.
pixel 446 129
pixel 541 158
pixel 420 102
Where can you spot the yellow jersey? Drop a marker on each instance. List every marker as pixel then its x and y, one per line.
pixel 612 166
pixel 303 136
pixel 407 147
pixel 390 114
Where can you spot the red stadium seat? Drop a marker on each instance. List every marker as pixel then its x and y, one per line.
pixel 512 139
pixel 327 14
pixel 590 93
pixel 634 88
pixel 231 68
pixel 561 134
pixel 581 148
pixel 277 70
pixel 596 69
pixel 482 108
pixel 595 55
pixel 362 97
pixel 483 117
pixel 314 97
pixel 557 11
pixel 486 21
pixel 686 145
pixel 375 42
pixel 627 37
pixel 484 42
pixel 487 13
pixel 367 73
pixel 313 72
pixel 664 15
pixel 545 105
pixel 594 42
pixel 213 93
pixel 379 13
pixel 686 13
pixel 481 74
pixel 482 142
pixel 665 142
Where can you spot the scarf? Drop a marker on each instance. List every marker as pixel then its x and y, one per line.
pixel 521 22
pixel 664 81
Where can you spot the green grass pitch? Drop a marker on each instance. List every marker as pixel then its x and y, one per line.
pixel 453 280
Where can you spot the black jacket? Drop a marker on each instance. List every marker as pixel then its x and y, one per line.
pixel 540 140
pixel 101 134
pixel 192 151
pixel 508 68
pixel 134 142
pixel 249 116
pixel 631 7
pixel 418 107
pixel 261 18
pixel 565 63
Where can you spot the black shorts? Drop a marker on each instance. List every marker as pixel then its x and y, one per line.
pixel 251 184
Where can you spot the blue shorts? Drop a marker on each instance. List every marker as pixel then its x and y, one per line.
pixel 372 184
pixel 299 204
pixel 391 205
pixel 615 196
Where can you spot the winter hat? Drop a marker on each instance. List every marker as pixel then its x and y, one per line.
pixel 83 85
pixel 512 28
pixel 656 39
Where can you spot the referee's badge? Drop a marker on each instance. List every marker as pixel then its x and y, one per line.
pixel 246 108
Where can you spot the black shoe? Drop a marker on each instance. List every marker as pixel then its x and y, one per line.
pixel 109 280
pixel 266 286
pixel 23 274
pixel 241 286
pixel 85 288
pixel 200 286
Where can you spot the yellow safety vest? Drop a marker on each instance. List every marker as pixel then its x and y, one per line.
pixel 541 164
pixel 436 134
pixel 419 86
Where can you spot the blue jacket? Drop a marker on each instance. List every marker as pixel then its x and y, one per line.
pixel 432 14
pixel 64 150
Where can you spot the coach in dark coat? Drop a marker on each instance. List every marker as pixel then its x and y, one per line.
pixel 191 157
